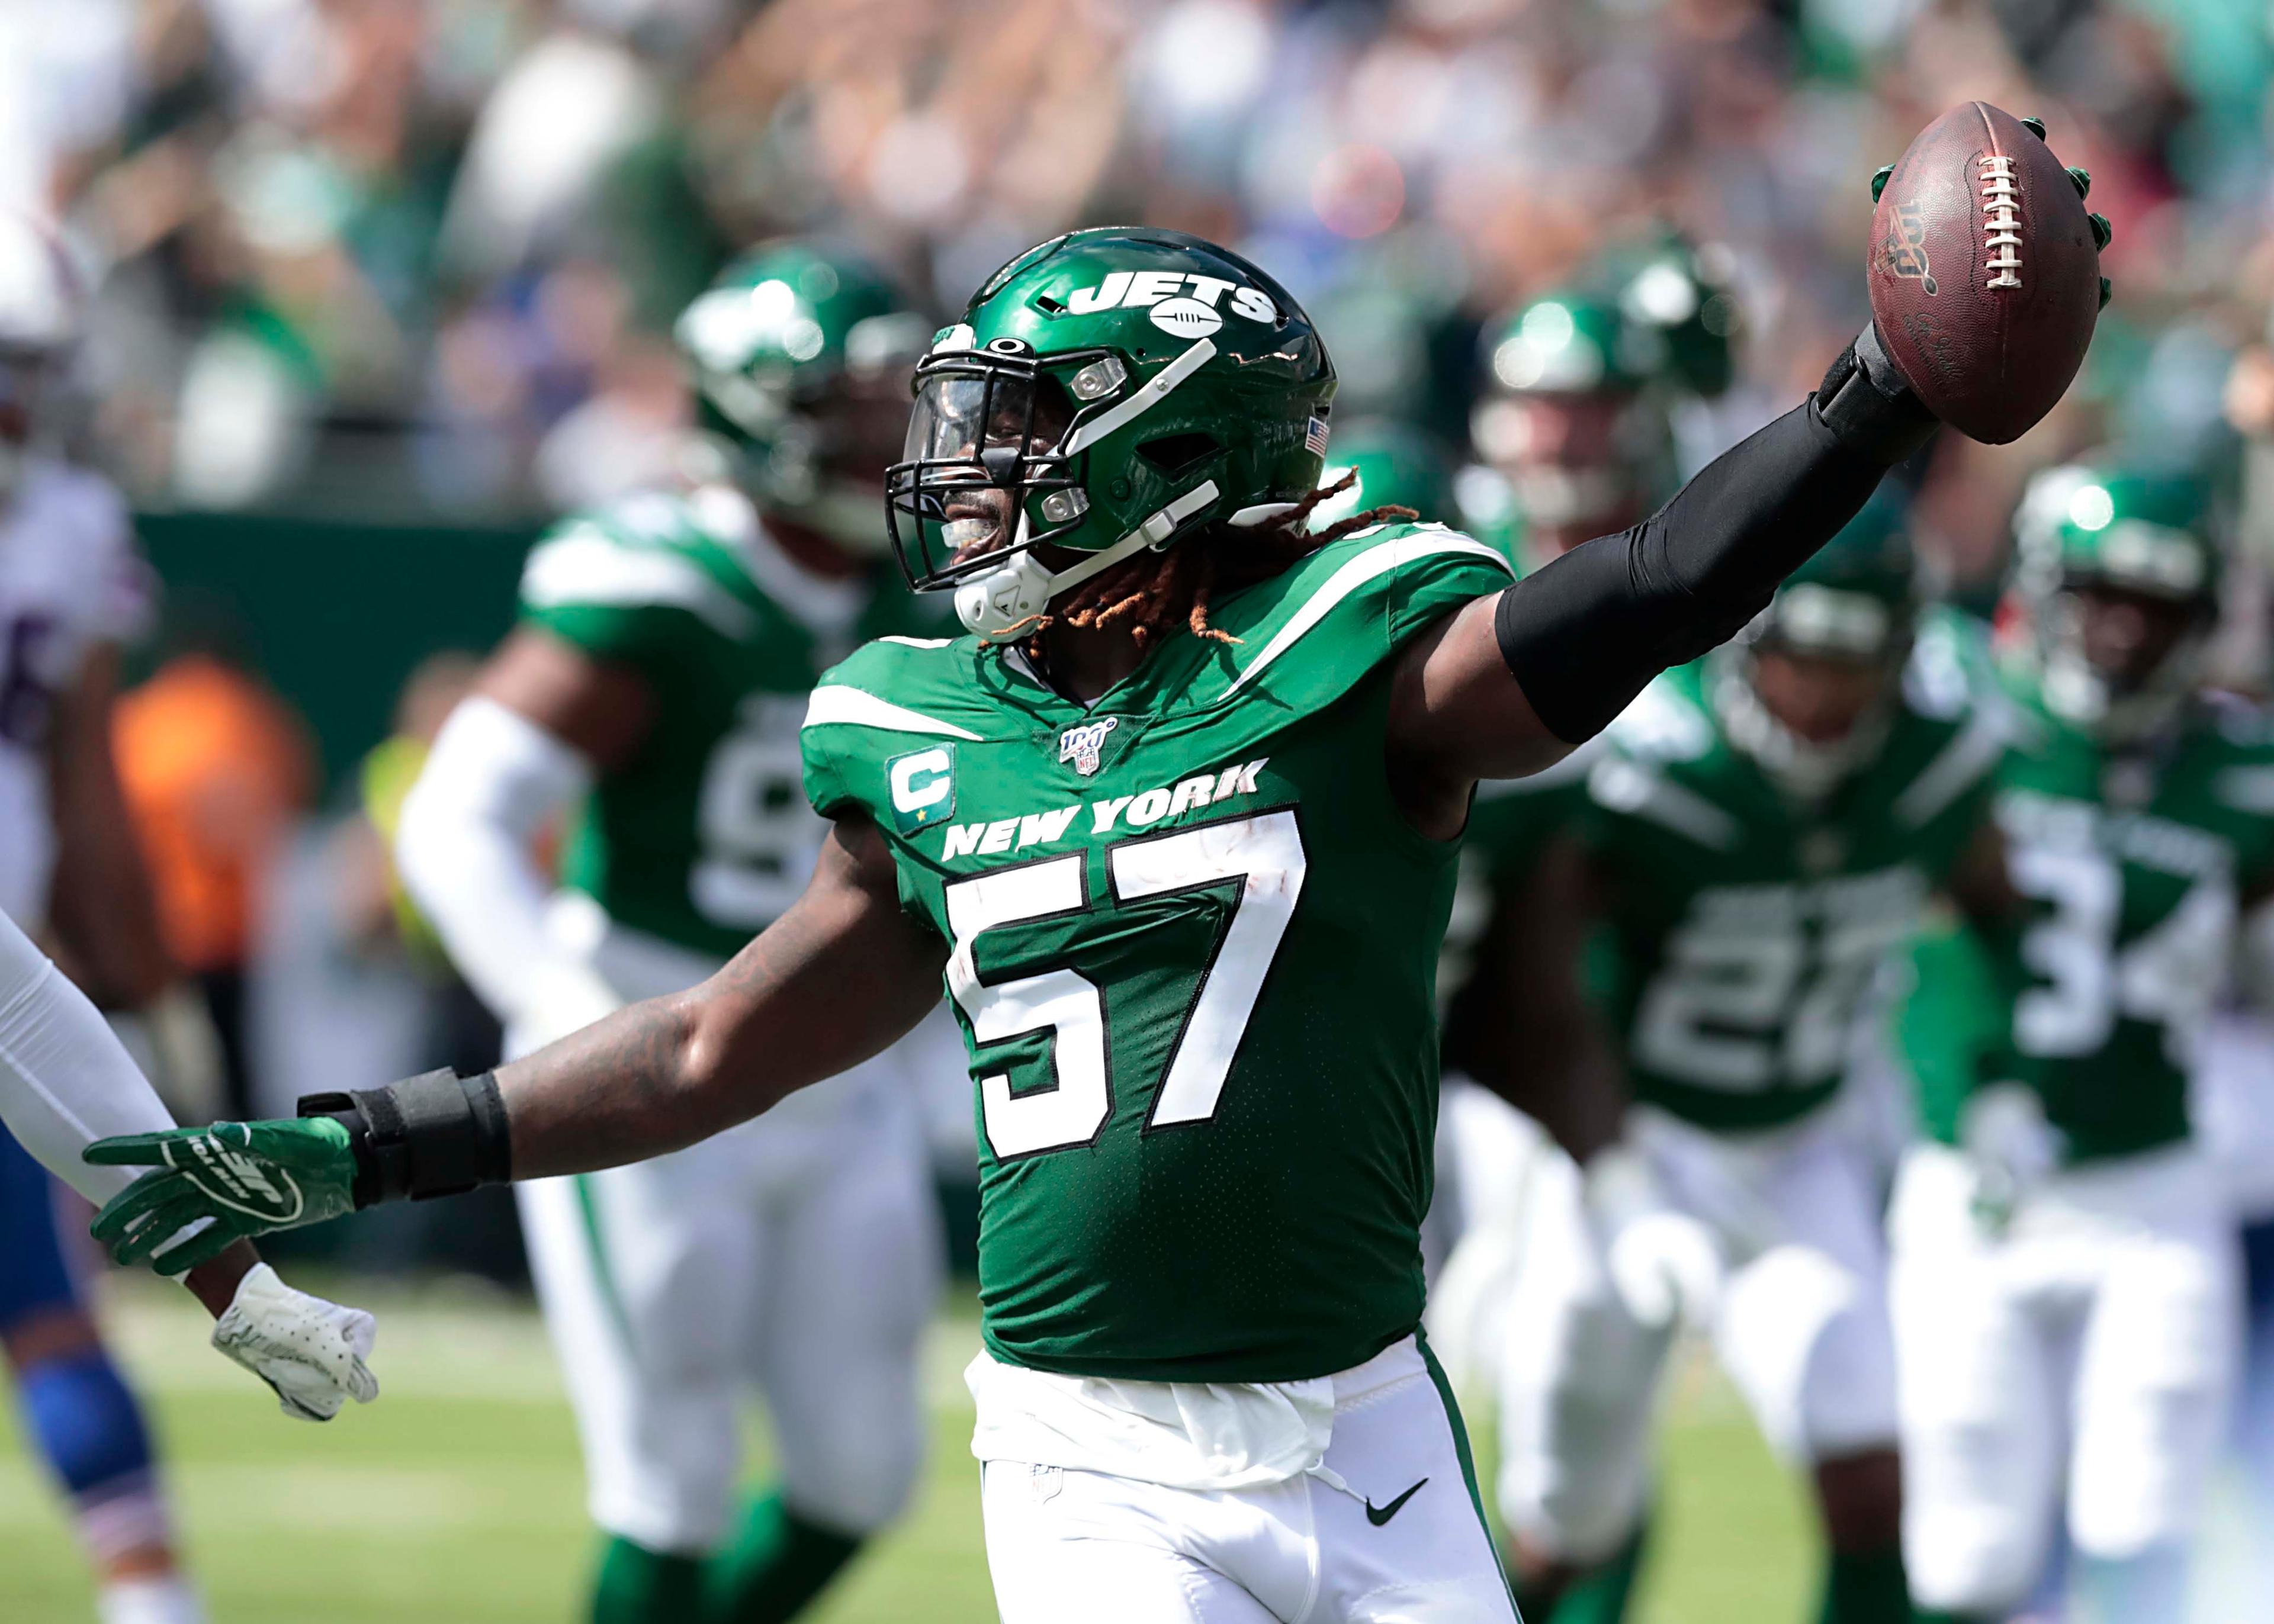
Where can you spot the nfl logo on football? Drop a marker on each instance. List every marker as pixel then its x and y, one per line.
pixel 1080 745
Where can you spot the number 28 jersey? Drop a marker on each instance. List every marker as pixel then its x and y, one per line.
pixel 703 838
pixel 1193 948
pixel 1749 926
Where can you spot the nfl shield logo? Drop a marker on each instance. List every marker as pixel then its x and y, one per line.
pixel 1080 745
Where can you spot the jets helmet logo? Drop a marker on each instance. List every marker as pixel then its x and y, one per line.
pixel 1183 302
pixel 1080 745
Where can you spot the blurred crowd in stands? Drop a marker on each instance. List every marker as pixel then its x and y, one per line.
pixel 375 255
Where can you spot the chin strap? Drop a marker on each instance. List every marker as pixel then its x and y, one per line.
pixel 1023 588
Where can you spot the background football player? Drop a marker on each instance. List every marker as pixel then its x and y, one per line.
pixel 2065 1280
pixel 1206 1110
pixel 666 646
pixel 1761 834
pixel 1586 391
pixel 73 589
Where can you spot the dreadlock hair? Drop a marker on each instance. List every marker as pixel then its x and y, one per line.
pixel 1156 593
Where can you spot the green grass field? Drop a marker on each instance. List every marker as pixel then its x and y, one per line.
pixel 458 1499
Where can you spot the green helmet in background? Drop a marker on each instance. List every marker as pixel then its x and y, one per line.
pixel 1394 466
pixel 1572 342
pixel 1857 597
pixel 1119 387
pixel 800 355
pixel 1682 292
pixel 2149 536
pixel 1570 416
pixel 1843 623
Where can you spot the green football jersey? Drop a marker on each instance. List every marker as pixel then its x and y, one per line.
pixel 704 836
pixel 1511 823
pixel 1749 926
pixel 2134 866
pixel 1193 949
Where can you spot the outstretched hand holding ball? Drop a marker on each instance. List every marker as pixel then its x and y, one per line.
pixel 1984 271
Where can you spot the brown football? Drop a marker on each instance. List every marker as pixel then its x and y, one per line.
pixel 1984 279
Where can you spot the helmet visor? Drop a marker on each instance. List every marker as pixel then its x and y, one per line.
pixel 982 439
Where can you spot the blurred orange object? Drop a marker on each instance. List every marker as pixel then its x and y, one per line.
pixel 214 766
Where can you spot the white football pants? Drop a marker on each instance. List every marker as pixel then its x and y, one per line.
pixel 1803 1328
pixel 2084 1358
pixel 1064 1543
pixel 797 1259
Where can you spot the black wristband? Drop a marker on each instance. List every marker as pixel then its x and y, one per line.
pixel 436 1134
pixel 1864 401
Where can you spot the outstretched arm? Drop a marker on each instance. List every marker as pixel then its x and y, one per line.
pixel 838 978
pixel 1513 682
pixel 834 980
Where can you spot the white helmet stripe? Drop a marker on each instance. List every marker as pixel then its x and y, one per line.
pixel 1145 398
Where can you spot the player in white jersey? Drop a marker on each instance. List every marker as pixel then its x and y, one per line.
pixel 71 589
pixel 667 644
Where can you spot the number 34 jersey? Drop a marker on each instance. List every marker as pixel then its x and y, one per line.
pixel 702 838
pixel 2132 868
pixel 1193 948
pixel 1749 927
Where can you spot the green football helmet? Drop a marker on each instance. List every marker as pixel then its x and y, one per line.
pixel 1394 466
pixel 1857 595
pixel 1573 342
pixel 2121 529
pixel 1682 292
pixel 1111 390
pixel 1855 605
pixel 800 355
pixel 1570 415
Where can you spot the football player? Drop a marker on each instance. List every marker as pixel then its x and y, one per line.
pixel 1596 394
pixel 71 589
pixel 1177 821
pixel 1761 834
pixel 1569 419
pixel 1636 344
pixel 2065 1280
pixel 666 646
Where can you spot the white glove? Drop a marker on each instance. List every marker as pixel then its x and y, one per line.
pixel 2003 1133
pixel 1664 1264
pixel 309 1351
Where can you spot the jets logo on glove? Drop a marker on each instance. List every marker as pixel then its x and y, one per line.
pixel 217 1185
pixel 216 1162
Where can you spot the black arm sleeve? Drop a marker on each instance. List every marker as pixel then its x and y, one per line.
pixel 1584 633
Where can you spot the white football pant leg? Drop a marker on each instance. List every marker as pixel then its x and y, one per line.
pixel 1064 1543
pixel 855 1264
pixel 1803 1329
pixel 1979 1383
pixel 2107 1316
pixel 1487 1153
pixel 1108 1552
pixel 646 1275
pixel 1578 1379
pixel 2155 1372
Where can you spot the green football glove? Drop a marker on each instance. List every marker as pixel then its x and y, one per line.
pixel 232 1180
